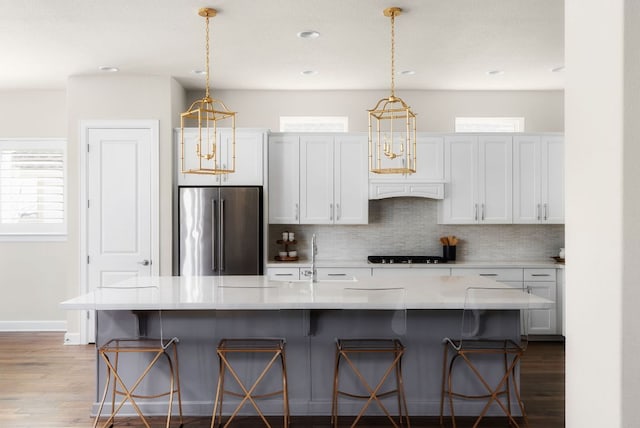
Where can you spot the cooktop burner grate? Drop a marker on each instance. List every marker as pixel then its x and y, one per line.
pixel 406 259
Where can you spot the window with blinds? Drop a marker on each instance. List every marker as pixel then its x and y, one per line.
pixel 489 124
pixel 32 187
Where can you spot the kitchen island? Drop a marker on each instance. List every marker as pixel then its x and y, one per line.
pixel 202 310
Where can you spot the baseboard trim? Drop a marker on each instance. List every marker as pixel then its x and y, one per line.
pixel 33 326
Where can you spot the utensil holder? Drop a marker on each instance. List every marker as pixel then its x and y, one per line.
pixel 449 252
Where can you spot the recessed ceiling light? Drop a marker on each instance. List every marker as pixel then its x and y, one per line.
pixel 407 73
pixel 309 72
pixel 199 72
pixel 309 34
pixel 557 69
pixel 108 68
pixel 494 72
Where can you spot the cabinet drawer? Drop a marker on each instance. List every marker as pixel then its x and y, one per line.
pixel 505 274
pixel 346 274
pixel 406 272
pixel 283 274
pixel 539 274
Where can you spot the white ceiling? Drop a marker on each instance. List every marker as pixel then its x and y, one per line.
pixel 450 44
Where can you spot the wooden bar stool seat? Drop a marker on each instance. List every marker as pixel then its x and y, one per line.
pixel 228 351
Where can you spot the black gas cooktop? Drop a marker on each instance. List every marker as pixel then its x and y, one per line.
pixel 407 259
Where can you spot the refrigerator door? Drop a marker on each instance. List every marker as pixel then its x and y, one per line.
pixel 240 231
pixel 198 252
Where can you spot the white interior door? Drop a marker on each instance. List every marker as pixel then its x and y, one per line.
pixel 122 214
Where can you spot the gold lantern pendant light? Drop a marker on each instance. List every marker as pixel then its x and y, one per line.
pixel 208 115
pixel 392 126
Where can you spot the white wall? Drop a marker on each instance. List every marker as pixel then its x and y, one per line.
pixel 436 110
pixel 33 274
pixel 602 45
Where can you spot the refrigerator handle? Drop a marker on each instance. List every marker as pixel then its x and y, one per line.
pixel 214 208
pixel 221 235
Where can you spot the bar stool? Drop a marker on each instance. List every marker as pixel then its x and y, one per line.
pixel 118 373
pixel 488 334
pixel 386 351
pixel 273 349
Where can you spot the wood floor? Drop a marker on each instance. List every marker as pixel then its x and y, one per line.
pixel 46 384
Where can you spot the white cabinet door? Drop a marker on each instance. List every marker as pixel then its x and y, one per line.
pixel 542 321
pixel 249 153
pixel 316 180
pixel 495 181
pixel 542 282
pixel 284 179
pixel 460 204
pixel 527 207
pixel 552 194
pixel 538 179
pixel 479 184
pixel 351 201
pixel 429 159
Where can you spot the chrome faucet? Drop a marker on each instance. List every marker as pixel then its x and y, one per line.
pixel 313 273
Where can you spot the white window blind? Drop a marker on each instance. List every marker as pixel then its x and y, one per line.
pixel 32 187
pixel 489 124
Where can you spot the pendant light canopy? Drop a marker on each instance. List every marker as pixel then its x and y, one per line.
pixel 208 116
pixel 392 126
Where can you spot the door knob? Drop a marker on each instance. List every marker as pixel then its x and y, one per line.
pixel 144 263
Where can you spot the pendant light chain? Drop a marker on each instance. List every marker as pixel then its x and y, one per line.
pixel 206 93
pixel 393 55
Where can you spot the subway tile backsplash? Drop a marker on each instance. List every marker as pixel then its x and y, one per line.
pixel 408 226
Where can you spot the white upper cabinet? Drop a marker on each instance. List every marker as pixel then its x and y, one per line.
pixel 330 179
pixel 478 172
pixel 538 179
pixel 425 182
pixel 316 180
pixel 284 179
pixel 249 154
pixel 350 169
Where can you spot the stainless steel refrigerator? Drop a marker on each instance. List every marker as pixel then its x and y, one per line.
pixel 220 231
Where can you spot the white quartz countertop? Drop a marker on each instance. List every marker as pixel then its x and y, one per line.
pixel 261 293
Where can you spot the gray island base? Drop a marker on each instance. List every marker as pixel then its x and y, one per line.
pixel 310 351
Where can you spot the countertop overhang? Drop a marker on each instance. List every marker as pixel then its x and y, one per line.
pixel 262 293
